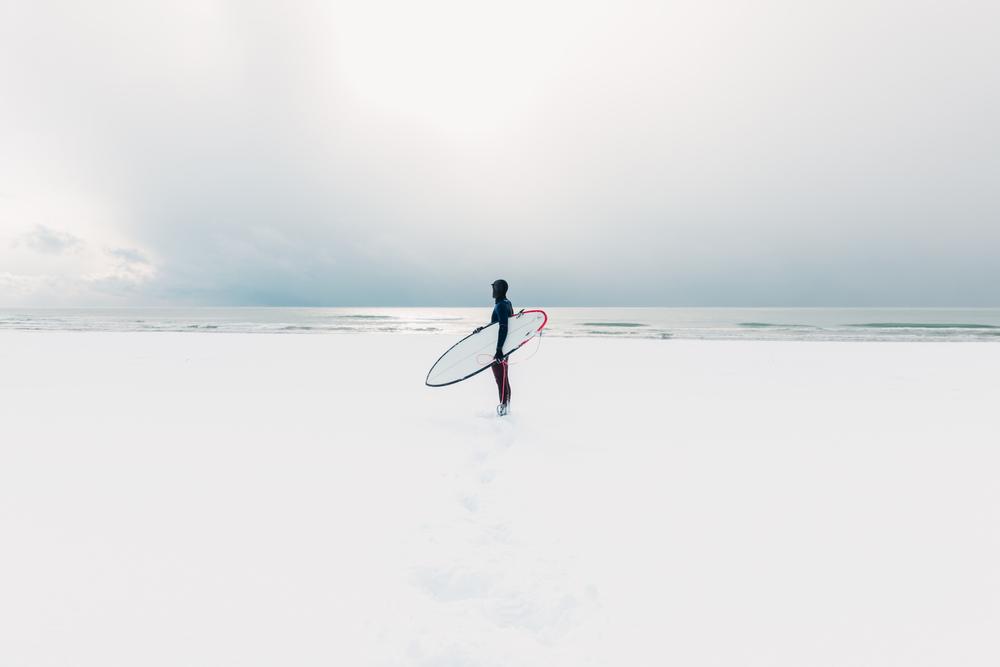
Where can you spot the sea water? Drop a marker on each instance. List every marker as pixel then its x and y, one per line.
pixel 836 324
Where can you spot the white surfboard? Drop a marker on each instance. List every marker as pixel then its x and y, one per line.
pixel 474 353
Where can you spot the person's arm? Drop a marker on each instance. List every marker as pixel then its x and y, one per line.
pixel 493 318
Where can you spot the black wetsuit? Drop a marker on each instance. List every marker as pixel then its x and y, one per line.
pixel 502 311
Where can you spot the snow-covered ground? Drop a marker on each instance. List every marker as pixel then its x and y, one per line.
pixel 226 499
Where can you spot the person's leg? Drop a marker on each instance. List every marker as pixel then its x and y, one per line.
pixel 500 375
pixel 506 384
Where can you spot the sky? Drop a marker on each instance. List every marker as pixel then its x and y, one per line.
pixel 728 153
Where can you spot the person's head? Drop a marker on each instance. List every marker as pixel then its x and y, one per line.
pixel 500 289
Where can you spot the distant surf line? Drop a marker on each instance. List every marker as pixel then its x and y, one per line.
pixel 921 325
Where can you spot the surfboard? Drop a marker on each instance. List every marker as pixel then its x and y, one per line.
pixel 474 353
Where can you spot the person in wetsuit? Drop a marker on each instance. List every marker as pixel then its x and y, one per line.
pixel 502 312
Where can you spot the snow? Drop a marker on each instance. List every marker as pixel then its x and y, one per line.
pixel 237 499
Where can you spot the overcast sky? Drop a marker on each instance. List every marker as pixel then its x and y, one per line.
pixel 408 153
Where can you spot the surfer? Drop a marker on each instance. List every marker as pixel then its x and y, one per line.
pixel 471 355
pixel 502 312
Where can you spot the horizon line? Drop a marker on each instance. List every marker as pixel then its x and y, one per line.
pixel 481 305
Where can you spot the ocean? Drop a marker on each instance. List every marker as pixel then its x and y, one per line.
pixel 803 324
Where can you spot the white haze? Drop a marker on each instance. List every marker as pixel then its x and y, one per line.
pixel 396 153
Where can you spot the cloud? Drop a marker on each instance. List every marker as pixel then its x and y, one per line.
pixel 52 268
pixel 15 287
pixel 127 256
pixel 50 241
pixel 591 153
